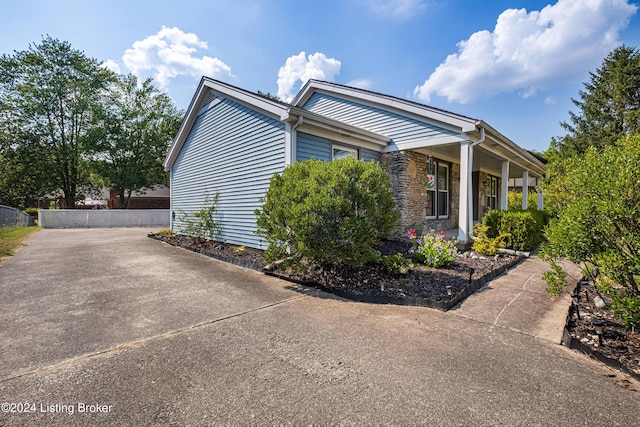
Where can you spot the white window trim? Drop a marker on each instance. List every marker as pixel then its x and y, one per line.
pixel 438 191
pixel 437 163
pixel 354 150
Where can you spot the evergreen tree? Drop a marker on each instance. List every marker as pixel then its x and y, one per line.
pixel 608 105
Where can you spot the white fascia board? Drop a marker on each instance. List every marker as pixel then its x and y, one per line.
pixel 441 118
pixel 510 144
pixel 537 168
pixel 338 127
pixel 340 137
pixel 186 124
pixel 250 99
pixel 270 108
pixel 425 143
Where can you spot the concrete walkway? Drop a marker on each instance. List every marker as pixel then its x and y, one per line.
pixel 517 300
pixel 109 327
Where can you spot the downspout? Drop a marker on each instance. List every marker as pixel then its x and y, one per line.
pixel 470 181
pixel 298 123
pixel 294 139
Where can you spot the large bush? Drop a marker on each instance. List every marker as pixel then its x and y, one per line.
pixel 598 220
pixel 325 213
pixel 521 229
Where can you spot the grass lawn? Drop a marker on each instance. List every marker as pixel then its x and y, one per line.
pixel 11 239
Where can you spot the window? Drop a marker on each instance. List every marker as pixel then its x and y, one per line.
pixel 341 152
pixel 443 190
pixel 438 191
pixel 492 193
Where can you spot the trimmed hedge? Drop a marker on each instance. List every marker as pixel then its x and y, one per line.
pixel 524 228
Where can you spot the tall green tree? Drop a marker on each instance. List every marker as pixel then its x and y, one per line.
pixel 138 124
pixel 608 107
pixel 49 94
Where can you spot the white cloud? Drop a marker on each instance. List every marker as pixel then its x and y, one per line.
pixel 171 53
pixel 399 10
pixel 112 65
pixel 551 100
pixel 361 83
pixel 530 51
pixel 302 68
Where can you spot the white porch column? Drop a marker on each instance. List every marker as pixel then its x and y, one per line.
pixel 525 190
pixel 469 192
pixel 465 182
pixel 540 200
pixel 504 194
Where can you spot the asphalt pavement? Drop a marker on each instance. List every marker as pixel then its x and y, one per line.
pixel 109 327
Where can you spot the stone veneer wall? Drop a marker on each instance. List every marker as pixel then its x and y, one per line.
pixel 483 191
pixel 408 173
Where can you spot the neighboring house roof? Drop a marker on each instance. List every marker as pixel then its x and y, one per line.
pixel 460 128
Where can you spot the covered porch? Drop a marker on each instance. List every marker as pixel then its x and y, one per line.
pixel 450 183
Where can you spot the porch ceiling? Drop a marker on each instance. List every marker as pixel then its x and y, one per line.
pixel 483 159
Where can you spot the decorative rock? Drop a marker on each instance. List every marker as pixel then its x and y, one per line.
pixel 599 302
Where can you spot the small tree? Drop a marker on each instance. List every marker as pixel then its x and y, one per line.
pixel 598 221
pixel 327 212
pixel 203 224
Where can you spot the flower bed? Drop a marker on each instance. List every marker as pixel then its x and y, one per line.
pixel 620 347
pixel 440 288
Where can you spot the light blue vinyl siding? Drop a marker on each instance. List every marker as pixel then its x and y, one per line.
pixel 310 146
pixel 398 128
pixel 233 151
pixel 370 155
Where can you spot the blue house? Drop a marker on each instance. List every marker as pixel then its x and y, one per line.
pixel 446 170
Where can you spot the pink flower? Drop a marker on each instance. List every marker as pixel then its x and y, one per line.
pixel 412 233
pixel 442 235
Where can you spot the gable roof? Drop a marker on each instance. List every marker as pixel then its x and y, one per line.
pixel 268 106
pixel 403 106
pixel 467 128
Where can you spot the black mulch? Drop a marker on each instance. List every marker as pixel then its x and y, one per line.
pixel 620 347
pixel 425 286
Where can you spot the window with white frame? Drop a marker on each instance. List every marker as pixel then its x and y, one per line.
pixel 438 191
pixel 342 151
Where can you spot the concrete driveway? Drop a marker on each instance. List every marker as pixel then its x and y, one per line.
pixel 108 327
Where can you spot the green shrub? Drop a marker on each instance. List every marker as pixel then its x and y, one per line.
pixel 32 211
pixel 485 244
pixel 514 200
pixel 492 220
pixel 524 229
pixel 624 304
pixel 203 224
pixel 326 213
pixel 396 265
pixel 596 198
pixel 433 249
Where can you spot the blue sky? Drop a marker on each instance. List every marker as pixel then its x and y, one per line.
pixel 515 64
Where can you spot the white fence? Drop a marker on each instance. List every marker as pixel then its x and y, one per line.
pixel 72 218
pixel 12 217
